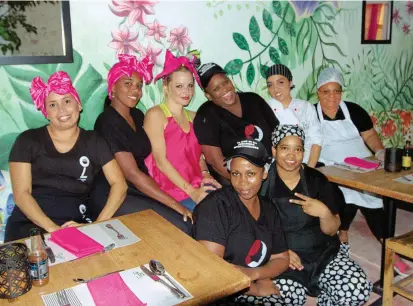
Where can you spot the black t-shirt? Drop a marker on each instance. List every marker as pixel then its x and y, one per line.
pixel 72 172
pixel 222 218
pixel 216 126
pixel 122 138
pixel 358 115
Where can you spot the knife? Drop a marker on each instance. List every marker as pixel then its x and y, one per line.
pixel 49 251
pixel 156 278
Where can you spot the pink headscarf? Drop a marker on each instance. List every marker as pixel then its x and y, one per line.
pixel 127 65
pixel 59 83
pixel 172 63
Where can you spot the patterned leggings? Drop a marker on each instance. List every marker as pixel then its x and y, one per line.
pixel 342 283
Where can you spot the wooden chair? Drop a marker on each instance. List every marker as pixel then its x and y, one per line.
pixel 401 245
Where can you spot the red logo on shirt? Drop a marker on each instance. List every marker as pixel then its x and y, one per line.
pixel 249 130
pixel 256 254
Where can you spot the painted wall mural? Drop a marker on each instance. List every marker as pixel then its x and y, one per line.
pixel 244 37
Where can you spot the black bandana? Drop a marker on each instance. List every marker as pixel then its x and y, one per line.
pixel 284 130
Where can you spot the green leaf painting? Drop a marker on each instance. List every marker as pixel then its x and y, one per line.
pixel 254 29
pixel 233 67
pixel 274 55
pixel 250 74
pixel 241 41
pixel 267 19
pixel 276 6
pixel 282 45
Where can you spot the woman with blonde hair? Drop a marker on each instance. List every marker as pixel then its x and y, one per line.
pixel 176 162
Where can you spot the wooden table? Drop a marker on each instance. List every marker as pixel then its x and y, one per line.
pixel 381 183
pixel 206 276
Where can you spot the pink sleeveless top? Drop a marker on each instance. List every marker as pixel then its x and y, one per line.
pixel 183 152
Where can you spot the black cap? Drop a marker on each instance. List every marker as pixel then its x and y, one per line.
pixel 207 71
pixel 252 150
pixel 281 70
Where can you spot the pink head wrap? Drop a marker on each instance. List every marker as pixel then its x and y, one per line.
pixel 172 63
pixel 59 83
pixel 127 65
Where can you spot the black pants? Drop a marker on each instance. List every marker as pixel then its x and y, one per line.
pixel 374 217
pixel 135 201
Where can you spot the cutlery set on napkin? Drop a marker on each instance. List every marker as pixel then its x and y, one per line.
pixel 407 179
pixel 134 287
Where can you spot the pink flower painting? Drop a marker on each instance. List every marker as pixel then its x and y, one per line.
pixel 179 39
pixel 135 10
pixel 409 7
pixel 406 28
pixel 151 52
pixel 125 42
pixel 156 30
pixel 396 16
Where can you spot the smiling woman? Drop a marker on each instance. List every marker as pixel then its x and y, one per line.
pixel 52 168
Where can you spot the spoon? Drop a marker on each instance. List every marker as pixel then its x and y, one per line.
pixel 158 269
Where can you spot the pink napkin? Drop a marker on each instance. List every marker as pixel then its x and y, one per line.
pixel 112 290
pixel 75 242
pixel 361 163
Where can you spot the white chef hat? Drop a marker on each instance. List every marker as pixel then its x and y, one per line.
pixel 330 75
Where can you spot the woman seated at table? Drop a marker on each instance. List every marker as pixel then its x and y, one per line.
pixel 227 117
pixel 52 168
pixel 176 163
pixel 243 228
pixel 348 131
pixel 294 111
pixel 308 205
pixel 121 125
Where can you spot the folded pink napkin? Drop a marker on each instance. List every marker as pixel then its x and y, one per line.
pixel 361 163
pixel 75 242
pixel 112 290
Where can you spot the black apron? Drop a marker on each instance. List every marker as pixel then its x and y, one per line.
pixel 304 236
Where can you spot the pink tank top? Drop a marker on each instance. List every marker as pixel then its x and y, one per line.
pixel 183 152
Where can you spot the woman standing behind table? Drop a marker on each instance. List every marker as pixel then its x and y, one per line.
pixel 227 117
pixel 308 205
pixel 176 162
pixel 121 124
pixel 52 168
pixel 243 228
pixel 294 111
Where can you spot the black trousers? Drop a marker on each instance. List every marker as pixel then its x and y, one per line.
pixel 374 217
pixel 135 201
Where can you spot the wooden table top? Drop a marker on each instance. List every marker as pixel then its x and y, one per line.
pixel 206 276
pixel 379 182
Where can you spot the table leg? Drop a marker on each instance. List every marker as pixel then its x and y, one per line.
pixel 390 222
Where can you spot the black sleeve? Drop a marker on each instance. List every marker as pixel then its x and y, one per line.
pixel 22 150
pixel 116 140
pixel 102 151
pixel 206 126
pixel 278 236
pixel 268 114
pixel 212 220
pixel 360 117
pixel 331 196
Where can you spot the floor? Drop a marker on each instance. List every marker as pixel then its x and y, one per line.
pixel 366 250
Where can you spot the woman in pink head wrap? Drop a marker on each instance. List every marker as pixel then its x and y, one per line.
pixel 52 167
pixel 121 125
pixel 176 162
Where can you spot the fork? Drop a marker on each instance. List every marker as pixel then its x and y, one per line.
pixel 62 298
pixel 120 236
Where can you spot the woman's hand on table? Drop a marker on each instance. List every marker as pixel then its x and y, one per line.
pixel 53 228
pixel 71 224
pixel 295 261
pixel 311 206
